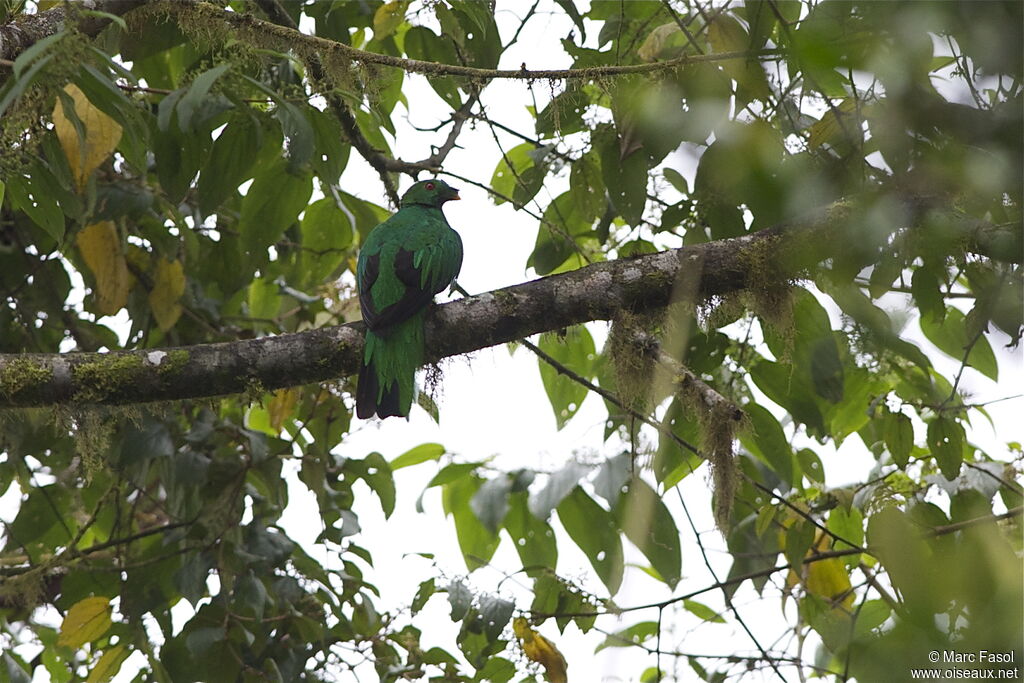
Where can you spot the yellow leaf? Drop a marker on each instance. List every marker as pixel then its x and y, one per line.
pixel 835 123
pixel 539 649
pixel 168 286
pixel 109 664
pixel 85 622
pixel 660 42
pixel 828 579
pixel 100 135
pixel 281 407
pixel 388 17
pixel 104 255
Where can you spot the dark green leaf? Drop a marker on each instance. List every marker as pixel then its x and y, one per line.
pixel 326 236
pixel 649 525
pixel 625 177
pixel 533 538
pixel 950 335
pixel 495 613
pixel 899 437
pixel 595 531
pixel 196 94
pixel 637 634
pixel 475 540
pixel 460 599
pixel 575 350
pixel 273 202
pixel 423 593
pixel 946 442
pixel 769 441
pixel 927 294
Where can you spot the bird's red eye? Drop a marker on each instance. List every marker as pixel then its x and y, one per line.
pixel 429 186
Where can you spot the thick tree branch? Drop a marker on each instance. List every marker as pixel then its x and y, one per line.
pixel 27 30
pixel 595 292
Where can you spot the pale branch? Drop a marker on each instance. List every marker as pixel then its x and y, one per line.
pixel 595 292
pixel 686 380
pixel 28 29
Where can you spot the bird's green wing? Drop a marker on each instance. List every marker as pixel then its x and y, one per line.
pixel 406 261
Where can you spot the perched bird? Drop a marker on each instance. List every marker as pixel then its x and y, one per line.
pixel 404 262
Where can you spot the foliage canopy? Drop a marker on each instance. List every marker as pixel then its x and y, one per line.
pixel 183 163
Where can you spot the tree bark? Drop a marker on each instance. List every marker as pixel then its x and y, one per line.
pixel 26 30
pixel 764 259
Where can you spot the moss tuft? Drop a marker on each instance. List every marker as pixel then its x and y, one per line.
pixel 18 374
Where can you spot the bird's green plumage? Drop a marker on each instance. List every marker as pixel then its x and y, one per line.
pixel 404 262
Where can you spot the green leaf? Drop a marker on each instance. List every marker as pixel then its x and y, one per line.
pixel 576 352
pixel 898 434
pixel 496 670
pixel 799 537
pixel 520 174
pixel 811 465
pixel 326 236
pixel 946 442
pixel 423 593
pixel 649 525
pixel 632 636
pixel 624 177
pixel 495 613
pixel 273 202
pixel 249 597
pixel 925 287
pixel 847 523
pixel 459 599
pixel 595 531
pixel 40 207
pixel 769 441
pixel 331 154
pixel 912 569
pixel 587 187
pixel 377 474
pixel 676 179
pixel 557 234
pixel 703 611
pixel 423 44
pixel 533 538
pixel 475 540
pixel 950 335
pixel 196 93
pixel 179 156
pixel 231 157
pixel 425 452
pixel 298 131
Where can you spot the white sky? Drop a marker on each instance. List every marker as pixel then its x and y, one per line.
pixel 493 404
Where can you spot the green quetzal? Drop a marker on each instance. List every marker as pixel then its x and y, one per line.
pixel 404 262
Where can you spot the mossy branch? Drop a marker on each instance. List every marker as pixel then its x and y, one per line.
pixel 596 292
pixel 290 38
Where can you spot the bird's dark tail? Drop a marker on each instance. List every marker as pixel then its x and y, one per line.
pixel 368 391
pixel 387 378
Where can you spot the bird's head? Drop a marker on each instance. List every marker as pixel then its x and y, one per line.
pixel 433 192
